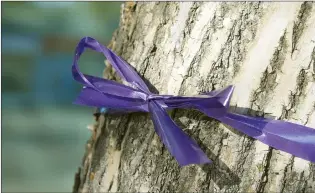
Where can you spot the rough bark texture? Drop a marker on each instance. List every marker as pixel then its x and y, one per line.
pixel 267 50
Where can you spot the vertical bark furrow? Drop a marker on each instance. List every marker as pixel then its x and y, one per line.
pixel 287 170
pixel 295 96
pixel 268 82
pixel 311 182
pixel 299 24
pixel 264 177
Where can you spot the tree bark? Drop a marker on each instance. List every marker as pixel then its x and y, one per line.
pixel 267 50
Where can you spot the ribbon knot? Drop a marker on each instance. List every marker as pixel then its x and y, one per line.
pixel 154 97
pixel 136 96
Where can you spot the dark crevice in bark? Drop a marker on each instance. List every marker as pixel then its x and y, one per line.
pixel 244 32
pixel 122 131
pixel 154 48
pixel 110 185
pixel 192 16
pixel 268 83
pixel 193 13
pixel 232 53
pixel 303 187
pixel 294 181
pixel 245 155
pixel 286 172
pixel 300 24
pixel 301 183
pixel 296 96
pixel 147 63
pixel 264 177
pixel 218 69
pixel 311 177
pixel 309 115
pixel 193 66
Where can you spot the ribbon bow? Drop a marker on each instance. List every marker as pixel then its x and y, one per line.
pixel 98 92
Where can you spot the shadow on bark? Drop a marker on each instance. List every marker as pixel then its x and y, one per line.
pixel 218 171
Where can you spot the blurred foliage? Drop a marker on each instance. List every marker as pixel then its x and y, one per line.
pixel 43 133
pixel 62 18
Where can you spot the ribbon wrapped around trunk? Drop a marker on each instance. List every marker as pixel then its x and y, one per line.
pixel 295 139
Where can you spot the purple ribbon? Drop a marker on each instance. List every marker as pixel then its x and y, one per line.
pixel 295 139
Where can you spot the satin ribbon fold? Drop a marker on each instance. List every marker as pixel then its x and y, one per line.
pixel 292 138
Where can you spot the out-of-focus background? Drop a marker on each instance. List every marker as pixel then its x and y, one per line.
pixel 43 133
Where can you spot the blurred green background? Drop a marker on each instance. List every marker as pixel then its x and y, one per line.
pixel 43 133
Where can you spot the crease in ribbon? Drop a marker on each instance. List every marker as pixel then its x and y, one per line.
pixel 292 138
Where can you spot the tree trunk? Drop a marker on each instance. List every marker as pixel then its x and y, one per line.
pixel 267 50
